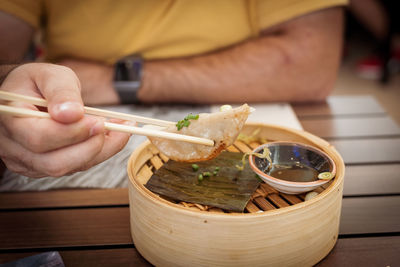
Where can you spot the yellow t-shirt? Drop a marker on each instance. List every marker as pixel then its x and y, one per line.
pixel 106 30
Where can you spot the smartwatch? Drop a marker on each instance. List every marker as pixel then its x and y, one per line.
pixel 127 78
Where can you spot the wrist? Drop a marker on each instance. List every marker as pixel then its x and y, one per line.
pixel 96 80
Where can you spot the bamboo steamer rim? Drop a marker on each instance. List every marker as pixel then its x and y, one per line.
pixel 317 141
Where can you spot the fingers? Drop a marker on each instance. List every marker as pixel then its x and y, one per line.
pixel 61 87
pixel 68 160
pixel 42 135
pixel 64 160
pixel 15 157
pixel 57 84
pixel 113 143
pixel 55 163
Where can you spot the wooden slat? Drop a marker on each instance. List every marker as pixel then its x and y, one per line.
pixel 147 154
pixel 263 204
pixel 251 208
pixel 144 174
pixel 372 179
pixel 268 189
pixel 277 200
pixel 340 105
pixel 254 145
pixel 379 150
pixel 156 162
pixel 351 127
pixel 292 199
pixel 64 198
pixel 242 147
pixel 259 193
pixel 96 257
pixel 370 215
pixel 65 227
pixel 163 157
pixel 114 257
pixel 232 149
pixel 372 251
pixel 153 149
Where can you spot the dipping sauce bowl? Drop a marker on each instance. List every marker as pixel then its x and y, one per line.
pixel 295 167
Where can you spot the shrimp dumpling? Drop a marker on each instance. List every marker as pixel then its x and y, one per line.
pixel 223 127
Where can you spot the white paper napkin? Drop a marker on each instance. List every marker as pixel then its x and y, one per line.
pixel 280 114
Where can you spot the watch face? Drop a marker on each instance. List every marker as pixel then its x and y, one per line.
pixel 121 72
pixel 128 69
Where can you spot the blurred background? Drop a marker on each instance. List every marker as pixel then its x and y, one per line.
pixel 371 54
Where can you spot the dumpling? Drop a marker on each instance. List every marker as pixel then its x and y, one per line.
pixel 223 127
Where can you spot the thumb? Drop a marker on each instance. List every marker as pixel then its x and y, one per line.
pixel 61 88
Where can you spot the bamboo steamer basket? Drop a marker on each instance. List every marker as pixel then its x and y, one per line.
pixel 277 230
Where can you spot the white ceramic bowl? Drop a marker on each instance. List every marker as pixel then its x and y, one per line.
pixel 289 153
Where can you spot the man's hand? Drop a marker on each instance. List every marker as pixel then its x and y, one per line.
pixel 68 142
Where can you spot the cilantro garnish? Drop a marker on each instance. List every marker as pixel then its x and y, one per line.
pixel 185 122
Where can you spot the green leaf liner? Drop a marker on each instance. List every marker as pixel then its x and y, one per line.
pixel 230 189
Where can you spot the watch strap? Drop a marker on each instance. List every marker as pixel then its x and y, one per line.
pixel 127 91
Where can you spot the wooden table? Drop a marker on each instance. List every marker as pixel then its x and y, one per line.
pixel 91 227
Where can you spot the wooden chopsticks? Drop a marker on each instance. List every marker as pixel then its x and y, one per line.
pixel 89 110
pixel 22 112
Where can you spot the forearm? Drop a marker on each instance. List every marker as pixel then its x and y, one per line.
pixel 266 69
pixel 298 64
pixel 296 61
pixel 259 70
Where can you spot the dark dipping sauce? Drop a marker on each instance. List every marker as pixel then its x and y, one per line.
pixel 293 173
pixel 293 163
